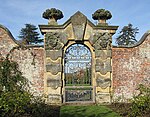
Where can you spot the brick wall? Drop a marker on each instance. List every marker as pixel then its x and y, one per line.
pixel 29 58
pixel 31 63
pixel 131 67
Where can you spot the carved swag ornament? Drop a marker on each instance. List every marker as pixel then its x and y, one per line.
pixel 102 41
pixel 52 41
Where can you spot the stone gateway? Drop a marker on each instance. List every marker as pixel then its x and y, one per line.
pixel 78 63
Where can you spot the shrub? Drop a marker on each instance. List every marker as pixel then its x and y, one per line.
pixel 141 103
pixel 14 104
pixel 40 109
pixel 14 98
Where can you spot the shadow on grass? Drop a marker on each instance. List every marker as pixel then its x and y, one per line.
pixel 87 111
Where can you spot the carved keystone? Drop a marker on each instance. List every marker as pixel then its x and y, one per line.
pixel 79 24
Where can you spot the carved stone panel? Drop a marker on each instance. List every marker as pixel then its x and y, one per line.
pixel 102 41
pixel 54 68
pixel 103 54
pixel 54 40
pixel 103 66
pixel 54 83
pixel 103 97
pixel 54 54
pixel 79 24
pixel 103 82
pixel 54 99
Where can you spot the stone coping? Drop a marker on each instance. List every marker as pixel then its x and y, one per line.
pixel 15 41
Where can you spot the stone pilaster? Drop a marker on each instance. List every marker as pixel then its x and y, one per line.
pixel 102 45
pixel 54 42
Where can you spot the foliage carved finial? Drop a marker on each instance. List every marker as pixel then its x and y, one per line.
pixel 53 15
pixel 102 15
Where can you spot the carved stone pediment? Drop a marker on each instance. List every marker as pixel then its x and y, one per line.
pixel 79 22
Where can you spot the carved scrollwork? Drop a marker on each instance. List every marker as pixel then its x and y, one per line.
pixel 102 81
pixel 102 41
pixel 52 41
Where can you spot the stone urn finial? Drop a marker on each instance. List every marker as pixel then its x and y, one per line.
pixel 102 15
pixel 53 15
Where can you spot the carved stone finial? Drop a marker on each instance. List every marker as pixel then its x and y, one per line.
pixel 102 15
pixel 53 15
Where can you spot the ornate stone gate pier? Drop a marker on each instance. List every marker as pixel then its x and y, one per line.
pixel 78 61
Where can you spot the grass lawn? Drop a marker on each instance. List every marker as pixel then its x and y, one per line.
pixel 87 111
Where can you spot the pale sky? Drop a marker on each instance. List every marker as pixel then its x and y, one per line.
pixel 15 13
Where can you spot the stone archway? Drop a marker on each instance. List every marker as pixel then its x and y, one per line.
pixel 97 38
pixel 78 74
